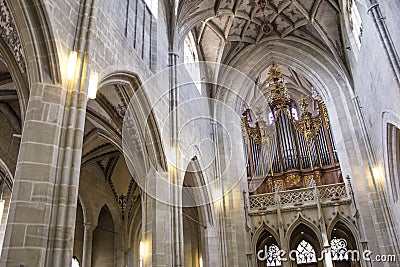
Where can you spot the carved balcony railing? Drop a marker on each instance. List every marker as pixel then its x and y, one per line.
pixel 325 192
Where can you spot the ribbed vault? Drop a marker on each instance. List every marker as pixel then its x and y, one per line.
pixel 225 28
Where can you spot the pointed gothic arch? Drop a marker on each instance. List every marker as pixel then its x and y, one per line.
pixel 104 241
pixel 303 230
pixel 344 244
pixel 267 247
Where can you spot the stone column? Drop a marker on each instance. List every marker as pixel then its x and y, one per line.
pixel 156 225
pixel 87 245
pixel 40 230
pixel 386 39
pixel 175 177
pixel 281 228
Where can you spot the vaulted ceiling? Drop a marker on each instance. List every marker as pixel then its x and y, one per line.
pixel 224 28
pixel 103 139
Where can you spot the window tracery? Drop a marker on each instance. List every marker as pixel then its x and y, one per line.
pixel 190 55
pixel 355 23
pixel 339 249
pixel 274 258
pixel 75 262
pixel 305 253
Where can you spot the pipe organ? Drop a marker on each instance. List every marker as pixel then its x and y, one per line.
pixel 286 151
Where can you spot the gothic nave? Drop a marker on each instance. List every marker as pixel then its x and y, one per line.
pixel 199 133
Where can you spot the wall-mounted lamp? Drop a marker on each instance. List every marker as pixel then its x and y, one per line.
pixel 141 250
pixel 93 83
pixel 73 56
pixel 378 173
pixel 201 262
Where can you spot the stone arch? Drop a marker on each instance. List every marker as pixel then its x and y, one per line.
pixel 264 227
pixel 108 137
pixel 350 226
pixel 6 182
pixel 112 207
pixel 18 78
pixel 340 228
pixel 301 221
pixel 151 140
pixel 184 26
pixel 104 239
pixel 264 236
pixel 82 202
pixel 6 174
pixel 199 180
pixel 300 230
pixel 39 44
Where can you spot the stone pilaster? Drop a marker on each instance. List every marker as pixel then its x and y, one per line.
pixel 40 230
pixel 156 227
pixel 87 245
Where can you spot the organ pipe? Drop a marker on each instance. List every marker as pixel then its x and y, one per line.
pixel 288 152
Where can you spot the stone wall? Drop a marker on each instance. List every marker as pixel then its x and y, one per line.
pixel 376 86
pixel 133 40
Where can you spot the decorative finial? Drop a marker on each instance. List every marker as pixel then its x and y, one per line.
pixel 278 95
pixel 259 112
pixel 304 103
pixel 275 73
pixel 262 4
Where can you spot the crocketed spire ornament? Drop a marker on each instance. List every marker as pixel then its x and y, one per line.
pixel 262 4
pixel 278 97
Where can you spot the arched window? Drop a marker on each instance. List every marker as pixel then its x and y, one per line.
pixel 190 56
pixel 393 152
pixel 355 23
pixel 75 262
pixel 271 118
pixel 190 52
pixel 295 114
pixel 339 249
pixel 305 253
pixel 273 256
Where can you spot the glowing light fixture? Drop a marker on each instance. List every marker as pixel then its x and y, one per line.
pixel 93 83
pixel 378 173
pixel 141 253
pixel 73 56
pixel 141 250
pixel 201 262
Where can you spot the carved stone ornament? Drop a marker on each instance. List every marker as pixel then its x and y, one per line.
pixel 10 35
